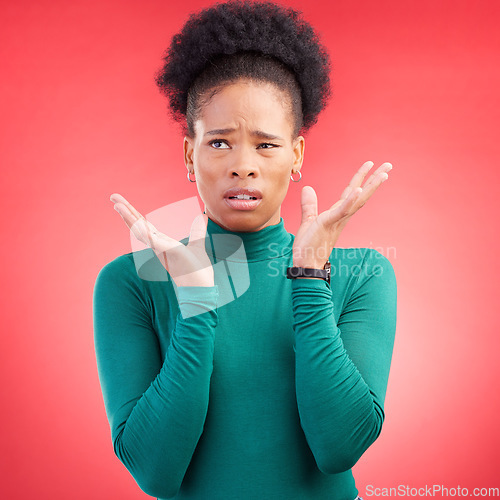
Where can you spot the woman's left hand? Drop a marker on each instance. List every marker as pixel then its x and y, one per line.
pixel 318 234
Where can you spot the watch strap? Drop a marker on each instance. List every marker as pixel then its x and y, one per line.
pixel 307 272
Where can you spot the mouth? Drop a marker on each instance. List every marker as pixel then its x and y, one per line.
pixel 243 198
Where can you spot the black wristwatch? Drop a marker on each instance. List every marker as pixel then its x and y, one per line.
pixel 307 272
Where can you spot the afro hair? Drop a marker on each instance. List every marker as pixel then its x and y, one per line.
pixel 258 40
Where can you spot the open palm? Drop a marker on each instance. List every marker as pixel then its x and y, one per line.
pixel 189 265
pixel 318 233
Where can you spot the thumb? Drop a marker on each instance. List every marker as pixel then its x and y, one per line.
pixel 309 203
pixel 198 231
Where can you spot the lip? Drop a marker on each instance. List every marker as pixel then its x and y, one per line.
pixel 240 190
pixel 243 204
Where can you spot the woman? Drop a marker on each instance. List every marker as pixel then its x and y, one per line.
pixel 245 362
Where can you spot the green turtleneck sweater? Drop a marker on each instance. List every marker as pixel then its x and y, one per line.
pixel 259 387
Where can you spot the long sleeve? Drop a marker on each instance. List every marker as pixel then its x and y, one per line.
pixel 156 409
pixel 342 365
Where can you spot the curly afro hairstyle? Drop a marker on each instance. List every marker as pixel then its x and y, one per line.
pixel 261 41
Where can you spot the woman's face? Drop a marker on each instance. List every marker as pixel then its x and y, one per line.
pixel 242 149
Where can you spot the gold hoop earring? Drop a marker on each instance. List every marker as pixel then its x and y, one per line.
pixel 189 178
pixel 293 180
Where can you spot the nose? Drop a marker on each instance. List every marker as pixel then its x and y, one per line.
pixel 244 165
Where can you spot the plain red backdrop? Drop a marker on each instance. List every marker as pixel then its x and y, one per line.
pixel 415 83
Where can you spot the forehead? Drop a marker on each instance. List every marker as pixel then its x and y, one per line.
pixel 256 105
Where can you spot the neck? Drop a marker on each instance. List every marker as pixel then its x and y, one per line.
pixel 241 227
pixel 267 243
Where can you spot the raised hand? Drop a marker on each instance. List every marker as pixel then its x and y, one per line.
pixel 318 234
pixel 188 265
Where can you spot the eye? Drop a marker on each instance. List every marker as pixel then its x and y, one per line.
pixel 269 144
pixel 218 141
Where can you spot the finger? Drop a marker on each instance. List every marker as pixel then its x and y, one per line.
pixel 345 193
pixel 140 227
pixel 308 203
pixel 384 168
pixel 342 209
pixel 347 198
pixel 369 190
pixel 118 198
pixel 358 177
pixel 143 230
pixel 345 208
pixel 125 213
pixel 146 232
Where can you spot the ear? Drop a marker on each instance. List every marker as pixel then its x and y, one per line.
pixel 298 146
pixel 189 153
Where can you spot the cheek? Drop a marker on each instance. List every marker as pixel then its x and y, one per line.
pixel 206 180
pixel 204 168
pixel 283 176
pixel 278 188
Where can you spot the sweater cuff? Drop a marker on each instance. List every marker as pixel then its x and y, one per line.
pixel 311 284
pixel 196 300
pixel 311 304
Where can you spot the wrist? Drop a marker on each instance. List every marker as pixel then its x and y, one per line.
pixel 299 272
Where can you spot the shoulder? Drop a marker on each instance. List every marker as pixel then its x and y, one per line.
pixel 142 265
pixel 359 266
pixel 361 260
pixel 115 278
pixel 117 270
pixel 128 275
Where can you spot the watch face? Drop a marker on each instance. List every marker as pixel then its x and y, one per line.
pixel 328 269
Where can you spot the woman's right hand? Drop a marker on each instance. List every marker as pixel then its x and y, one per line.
pixel 188 265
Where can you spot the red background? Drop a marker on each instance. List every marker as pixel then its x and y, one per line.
pixel 415 83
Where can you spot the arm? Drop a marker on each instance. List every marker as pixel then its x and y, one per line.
pixel 156 409
pixel 342 366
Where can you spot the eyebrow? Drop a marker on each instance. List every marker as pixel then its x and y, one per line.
pixel 257 133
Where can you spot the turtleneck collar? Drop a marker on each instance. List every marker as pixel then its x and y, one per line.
pixel 268 243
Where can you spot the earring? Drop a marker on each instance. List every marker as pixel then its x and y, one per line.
pixel 189 178
pixel 293 180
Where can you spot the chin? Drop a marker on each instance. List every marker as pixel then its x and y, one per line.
pixel 242 222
